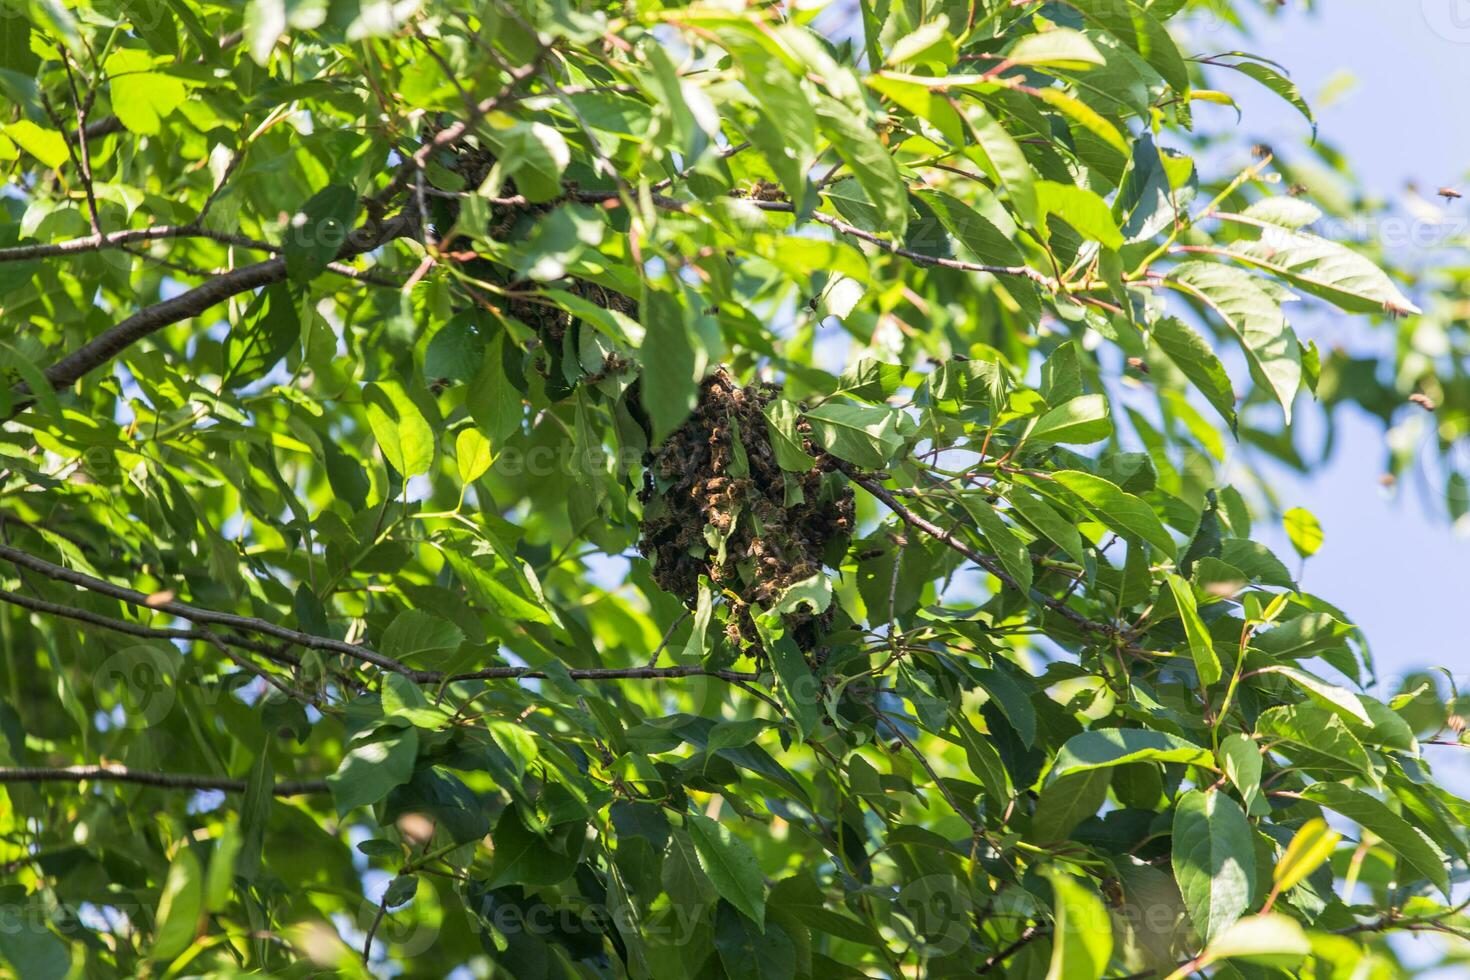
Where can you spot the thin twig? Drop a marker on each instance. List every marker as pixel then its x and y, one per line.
pixel 250 624
pixel 112 773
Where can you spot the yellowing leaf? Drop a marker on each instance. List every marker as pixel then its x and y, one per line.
pixel 46 145
pixel 1310 847
pixel 1304 530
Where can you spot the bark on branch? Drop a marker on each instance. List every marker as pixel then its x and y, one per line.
pixel 110 773
pixel 250 624
pixel 119 337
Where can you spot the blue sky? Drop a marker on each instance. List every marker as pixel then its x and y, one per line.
pixel 1396 568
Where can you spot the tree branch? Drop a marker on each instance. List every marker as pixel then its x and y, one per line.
pixel 250 624
pixel 985 561
pixel 836 224
pixel 139 630
pixel 127 236
pixel 420 157
pixel 194 614
pixel 111 773
pixel 124 334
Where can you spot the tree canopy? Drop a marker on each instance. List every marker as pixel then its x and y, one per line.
pixel 545 489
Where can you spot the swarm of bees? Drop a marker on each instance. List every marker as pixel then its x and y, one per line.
pixel 513 220
pixel 717 504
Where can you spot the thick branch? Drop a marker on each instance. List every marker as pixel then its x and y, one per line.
pixel 110 773
pixel 96 243
pixel 116 339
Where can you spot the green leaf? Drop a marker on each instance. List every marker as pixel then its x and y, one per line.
pixel 267 332
pixel 1082 420
pixel 854 139
pixel 669 385
pixel 1082 209
pixel 1044 518
pixel 1350 705
pixel 180 907
pixel 1121 511
pixel 984 761
pixel 1136 27
pixel 1304 530
pixel 1319 739
pixel 734 734
pixel 864 435
pixel 141 97
pixel 492 400
pixel 317 232
pixel 1201 647
pixel 1214 859
pixel 33 951
pixel 1001 156
pixel 520 856
pixel 1014 556
pixel 456 351
pixel 1255 318
pixel 1083 932
pixel 472 454
pixel 255 810
pixel 786 130
pixel 265 23
pixel 399 427
pixel 1240 758
pixel 1326 269
pixel 731 866
pixel 1106 747
pixel 219 882
pixel 1418 854
pixel 1068 800
pixel 800 691
pixel 1277 82
pixel 1270 940
pixel 1059 48
pixel 373 766
pixel 1283 211
pixel 46 145
pixel 781 420
pixel 1091 121
pixel 985 242
pixel 1192 355
pixel 535 155
pixel 498 586
pixel 748 952
pixel 413 633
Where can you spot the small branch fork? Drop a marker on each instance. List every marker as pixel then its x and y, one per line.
pixel 985 561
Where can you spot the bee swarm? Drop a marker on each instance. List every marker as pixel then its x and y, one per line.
pixel 692 500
